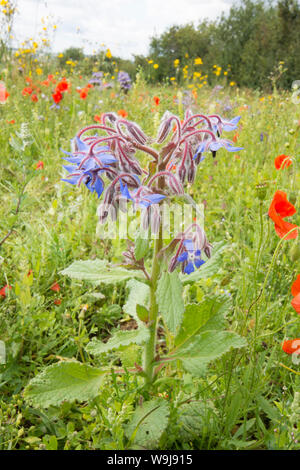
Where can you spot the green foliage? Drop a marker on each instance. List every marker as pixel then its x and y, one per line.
pixel 148 423
pixel 170 301
pixel 252 38
pixel 138 295
pixel 205 347
pixel 64 381
pixel 98 271
pixel 206 315
pixel 118 340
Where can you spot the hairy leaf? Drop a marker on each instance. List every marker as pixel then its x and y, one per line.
pixel 148 423
pixel 64 381
pixel 138 295
pixel 170 301
pixel 99 271
pixel 204 348
pixel 207 315
pixel 120 338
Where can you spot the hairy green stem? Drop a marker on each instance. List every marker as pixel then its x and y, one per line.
pixel 150 348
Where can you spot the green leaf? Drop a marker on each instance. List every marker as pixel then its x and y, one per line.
pixel 208 315
pixel 148 423
pixel 204 347
pixel 99 271
pixel 141 247
pixel 120 338
pixel 169 299
pixel 139 294
pixel 64 381
pixel 269 409
pixel 210 268
pixel 142 313
pixel 2 352
pixel 195 419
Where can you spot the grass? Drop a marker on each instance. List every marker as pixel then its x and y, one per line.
pixel 250 397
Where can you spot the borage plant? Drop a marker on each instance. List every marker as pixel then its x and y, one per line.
pixel 192 335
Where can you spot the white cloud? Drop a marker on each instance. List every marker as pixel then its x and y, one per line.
pixel 125 26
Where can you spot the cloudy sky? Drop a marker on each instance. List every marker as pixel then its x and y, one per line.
pixel 125 26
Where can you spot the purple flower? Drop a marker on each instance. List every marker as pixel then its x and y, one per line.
pixel 125 81
pixel 191 257
pixel 90 178
pixel 142 196
pixel 87 166
pixel 214 145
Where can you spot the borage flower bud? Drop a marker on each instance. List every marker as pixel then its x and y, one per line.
pixel 173 264
pixel 155 218
pixel 191 173
pixel 104 210
pixel 137 134
pixel 146 218
pixel 181 173
pixel 164 130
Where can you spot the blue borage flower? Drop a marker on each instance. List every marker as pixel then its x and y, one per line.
pixel 88 167
pixel 90 178
pixel 191 257
pixel 141 196
pixel 214 145
pixel 223 125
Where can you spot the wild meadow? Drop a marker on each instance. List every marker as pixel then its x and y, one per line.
pixel 108 343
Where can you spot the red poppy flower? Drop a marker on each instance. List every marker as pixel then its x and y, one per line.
pixel 295 289
pixel 45 82
pixel 280 207
pixel 83 93
pixel 123 113
pixel 11 122
pixel 156 100
pixel 4 289
pixel 62 86
pixel 27 91
pixel 57 301
pixel 97 118
pixel 282 161
pixel 28 80
pixel 34 98
pixel 55 287
pixel 57 97
pixel 291 346
pixel 296 303
pixel 89 85
pixel 39 165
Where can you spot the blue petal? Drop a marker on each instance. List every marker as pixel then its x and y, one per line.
pixel 99 187
pixel 124 190
pixel 189 268
pixel 155 198
pixel 82 147
pixel 198 262
pixel 70 169
pixel 72 180
pixel 189 245
pixel 231 148
pixel 182 257
pixel 215 145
